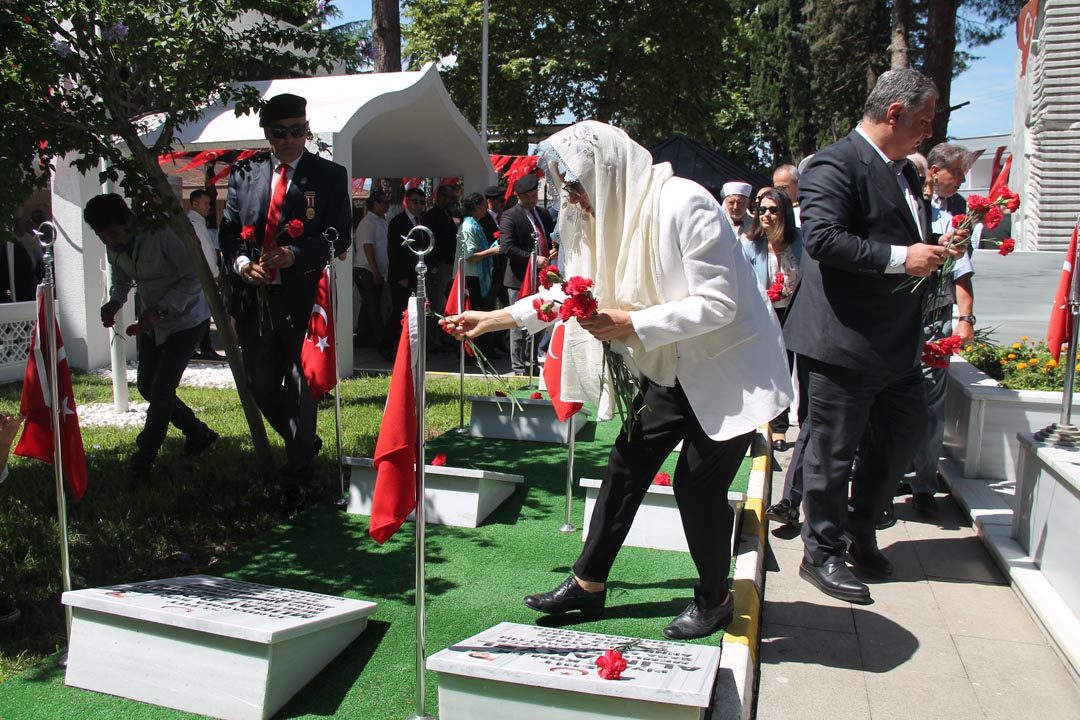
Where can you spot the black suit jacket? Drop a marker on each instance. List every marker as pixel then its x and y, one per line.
pixel 847 311
pixel 402 259
pixel 516 241
pixel 318 196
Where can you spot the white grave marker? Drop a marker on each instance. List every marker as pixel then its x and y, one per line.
pixel 527 672
pixel 535 420
pixel 224 648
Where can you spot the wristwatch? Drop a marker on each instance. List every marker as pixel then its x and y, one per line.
pixel 967 319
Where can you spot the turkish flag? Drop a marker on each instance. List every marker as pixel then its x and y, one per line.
pixel 528 282
pixel 1002 180
pixel 1060 316
pixel 395 449
pixel 553 375
pixel 37 402
pixel 452 307
pixel 319 356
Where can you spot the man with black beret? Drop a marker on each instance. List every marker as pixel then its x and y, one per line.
pixel 522 228
pixel 279 204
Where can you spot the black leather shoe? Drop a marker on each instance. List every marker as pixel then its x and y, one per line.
pixel 194 445
pixel 697 621
pixel 887 518
pixel 866 556
pixel 569 596
pixel 783 512
pixel 836 580
pixel 925 503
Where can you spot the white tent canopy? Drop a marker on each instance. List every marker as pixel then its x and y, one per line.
pixel 376 125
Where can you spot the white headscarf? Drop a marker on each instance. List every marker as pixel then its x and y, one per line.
pixel 619 248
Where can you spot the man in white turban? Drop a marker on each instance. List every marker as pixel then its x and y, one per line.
pixel 736 202
pixel 678 299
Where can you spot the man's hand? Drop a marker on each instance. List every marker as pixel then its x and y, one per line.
pixel 9 428
pixel 277 258
pixel 108 313
pixel 149 320
pixel 542 262
pixel 608 325
pixel 958 239
pixel 254 274
pixel 923 259
pixel 964 331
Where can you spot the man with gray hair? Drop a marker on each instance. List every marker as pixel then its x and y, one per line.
pixel 856 326
pixel 786 179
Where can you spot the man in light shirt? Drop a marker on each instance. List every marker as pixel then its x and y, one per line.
pixel 371 265
pixel 200 210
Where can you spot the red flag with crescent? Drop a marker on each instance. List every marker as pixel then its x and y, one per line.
pixel 1060 316
pixel 319 356
pixel 553 375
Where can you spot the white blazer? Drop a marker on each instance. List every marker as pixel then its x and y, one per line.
pixel 731 361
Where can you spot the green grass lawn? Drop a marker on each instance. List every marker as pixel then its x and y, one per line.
pixel 216 515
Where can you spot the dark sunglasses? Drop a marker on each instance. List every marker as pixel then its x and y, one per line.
pixel 770 209
pixel 280 132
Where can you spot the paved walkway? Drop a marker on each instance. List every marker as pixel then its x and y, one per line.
pixel 945 638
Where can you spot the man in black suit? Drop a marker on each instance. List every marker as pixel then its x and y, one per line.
pixel 272 241
pixel 402 273
pixel 857 332
pixel 520 229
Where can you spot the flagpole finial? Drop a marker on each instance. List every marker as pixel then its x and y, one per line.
pixel 421 266
pixel 46 237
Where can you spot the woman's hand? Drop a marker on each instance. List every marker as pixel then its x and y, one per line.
pixel 608 325
pixel 473 323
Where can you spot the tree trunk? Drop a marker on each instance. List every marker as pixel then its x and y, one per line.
pixel 178 222
pixel 941 28
pixel 899 51
pixel 386 35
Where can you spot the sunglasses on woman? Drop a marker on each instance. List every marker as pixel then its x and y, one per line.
pixel 768 209
pixel 280 132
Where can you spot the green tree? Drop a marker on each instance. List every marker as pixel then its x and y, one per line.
pixel 108 83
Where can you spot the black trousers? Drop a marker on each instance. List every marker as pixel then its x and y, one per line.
pixel 888 413
pixel 703 475
pixel 272 362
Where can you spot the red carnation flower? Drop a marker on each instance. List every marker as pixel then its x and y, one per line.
pixel 545 310
pixel 611 665
pixel 1010 199
pixel 662 478
pixel 958 219
pixel 295 228
pixel 993 217
pixel 439 460
pixel 500 393
pixel 498 234
pixel 776 291
pixel 579 306
pixel 550 276
pixel 780 278
pixel 537 396
pixel 577 285
pixel 133 330
pixel 978 203
pixel 1006 246
pixel 247 233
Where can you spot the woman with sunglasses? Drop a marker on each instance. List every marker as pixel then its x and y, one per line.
pixel 774 246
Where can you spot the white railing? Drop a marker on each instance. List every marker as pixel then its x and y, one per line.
pixel 16 327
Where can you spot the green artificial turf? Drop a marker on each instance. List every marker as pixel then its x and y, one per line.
pixel 476 579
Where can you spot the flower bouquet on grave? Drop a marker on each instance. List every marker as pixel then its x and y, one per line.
pixel 293 229
pixel 580 303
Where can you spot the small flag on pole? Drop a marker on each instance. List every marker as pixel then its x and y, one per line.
pixel 37 403
pixel 1060 316
pixel 319 355
pixel 553 375
pixel 395 450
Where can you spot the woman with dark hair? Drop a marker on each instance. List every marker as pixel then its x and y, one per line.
pixel 479 258
pixel 774 246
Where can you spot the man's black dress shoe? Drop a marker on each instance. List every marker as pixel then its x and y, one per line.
pixel 569 596
pixel 783 512
pixel 887 518
pixel 867 557
pixel 194 445
pixel 698 621
pixel 836 580
pixel 925 503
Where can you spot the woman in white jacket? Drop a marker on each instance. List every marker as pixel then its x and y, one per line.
pixel 677 298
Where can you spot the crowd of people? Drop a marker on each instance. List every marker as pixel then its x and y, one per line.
pixel 715 304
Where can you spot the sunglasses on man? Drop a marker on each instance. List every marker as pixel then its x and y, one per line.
pixel 280 132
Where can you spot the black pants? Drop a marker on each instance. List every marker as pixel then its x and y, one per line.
pixel 888 413
pixel 276 378
pixel 703 475
pixel 371 321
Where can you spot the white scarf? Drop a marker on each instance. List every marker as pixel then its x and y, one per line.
pixel 619 248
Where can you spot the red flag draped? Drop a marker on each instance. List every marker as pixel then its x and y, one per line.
pixel 37 399
pixel 553 375
pixel 319 356
pixel 1060 317
pixel 395 450
pixel 1002 180
pixel 528 282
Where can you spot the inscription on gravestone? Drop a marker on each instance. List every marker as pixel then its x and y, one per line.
pixel 236 596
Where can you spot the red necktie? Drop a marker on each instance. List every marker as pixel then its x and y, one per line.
pixel 543 249
pixel 273 214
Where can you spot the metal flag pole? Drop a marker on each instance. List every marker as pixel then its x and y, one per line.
pixel 1064 433
pixel 568 526
pixel 420 364
pixel 534 279
pixel 331 237
pixel 47 234
pixel 460 274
